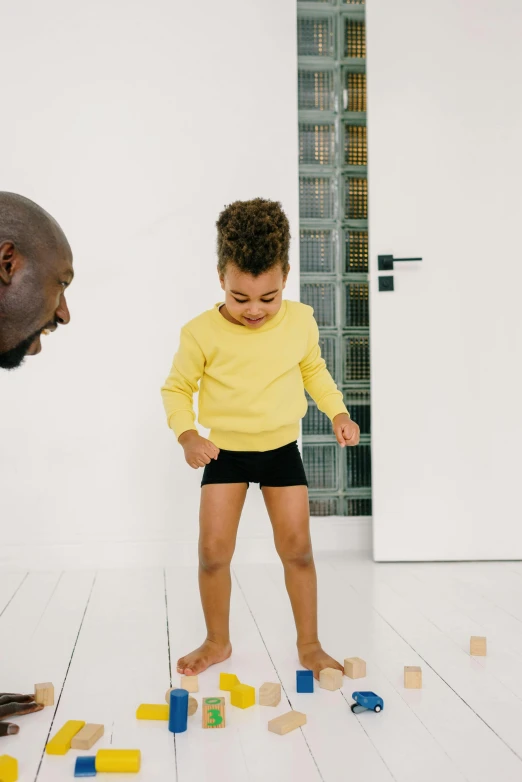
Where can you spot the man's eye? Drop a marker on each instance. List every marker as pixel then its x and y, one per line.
pixel 64 285
pixel 267 301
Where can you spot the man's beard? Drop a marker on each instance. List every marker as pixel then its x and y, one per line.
pixel 11 359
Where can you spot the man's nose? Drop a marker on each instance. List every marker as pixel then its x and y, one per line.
pixel 63 316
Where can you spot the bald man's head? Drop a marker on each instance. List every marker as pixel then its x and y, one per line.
pixel 35 270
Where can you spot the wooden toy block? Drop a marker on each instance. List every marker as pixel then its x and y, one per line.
pixel 354 668
pixel 304 681
pixel 331 679
pixel 8 768
pixel 243 696
pixel 270 694
pixel 227 681
pixel 87 737
pixel 60 743
pixel 287 722
pixel 189 683
pixel 152 711
pixel 192 706
pixel 477 646
pixel 85 766
pixel 412 677
pixel 118 760
pixel 44 694
pixel 178 710
pixel 213 712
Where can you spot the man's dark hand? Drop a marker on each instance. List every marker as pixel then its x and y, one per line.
pixel 15 705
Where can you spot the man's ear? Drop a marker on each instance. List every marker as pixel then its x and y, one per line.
pixel 10 262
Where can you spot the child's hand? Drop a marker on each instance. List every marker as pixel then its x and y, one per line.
pixel 198 450
pixel 346 431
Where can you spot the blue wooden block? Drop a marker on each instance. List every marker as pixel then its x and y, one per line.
pixel 305 681
pixel 178 712
pixel 85 766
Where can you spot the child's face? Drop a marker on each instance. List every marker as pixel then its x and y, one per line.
pixel 253 301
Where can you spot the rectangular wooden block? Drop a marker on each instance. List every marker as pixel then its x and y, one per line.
pixel 118 760
pixel 412 677
pixel 287 722
pixel 8 769
pixel 331 679
pixel 189 683
pixel 213 712
pixel 60 743
pixel 44 693
pixel 355 668
pixel 152 711
pixel 270 694
pixel 477 646
pixel 87 737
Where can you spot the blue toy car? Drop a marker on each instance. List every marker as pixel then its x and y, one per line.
pixel 365 701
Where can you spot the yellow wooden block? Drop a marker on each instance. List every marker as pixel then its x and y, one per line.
pixel 152 711
pixel 477 646
pixel 44 693
pixel 87 737
pixel 412 677
pixel 118 760
pixel 61 741
pixel 270 694
pixel 227 681
pixel 213 712
pixel 243 696
pixel 8 768
pixel 331 679
pixel 354 668
pixel 189 683
pixel 287 722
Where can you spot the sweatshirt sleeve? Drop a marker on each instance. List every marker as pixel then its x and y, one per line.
pixel 317 380
pixel 182 383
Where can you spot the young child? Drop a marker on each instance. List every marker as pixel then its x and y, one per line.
pixel 253 356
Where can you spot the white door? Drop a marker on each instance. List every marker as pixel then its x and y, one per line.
pixel 445 180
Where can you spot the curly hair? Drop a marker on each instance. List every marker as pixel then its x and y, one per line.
pixel 254 235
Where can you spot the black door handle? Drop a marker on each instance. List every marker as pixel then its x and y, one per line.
pixel 386 262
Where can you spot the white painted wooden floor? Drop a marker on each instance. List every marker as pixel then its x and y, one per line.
pixel 109 641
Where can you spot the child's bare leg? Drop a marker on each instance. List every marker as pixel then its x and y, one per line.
pixel 220 511
pixel 289 513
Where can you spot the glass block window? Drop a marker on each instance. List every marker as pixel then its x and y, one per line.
pixel 317 251
pixel 333 241
pixel 315 36
pixel 315 90
pixel 354 38
pixel 316 144
pixel 355 252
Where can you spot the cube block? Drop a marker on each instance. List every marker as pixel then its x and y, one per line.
pixel 477 646
pixel 44 693
pixel 243 696
pixel 331 679
pixel 8 768
pixel 270 694
pixel 85 766
pixel 189 683
pixel 305 681
pixel 412 677
pixel 213 712
pixel 355 668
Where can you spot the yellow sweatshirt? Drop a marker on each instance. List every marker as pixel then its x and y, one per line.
pixel 251 382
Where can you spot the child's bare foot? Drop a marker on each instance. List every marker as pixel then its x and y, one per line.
pixel 209 653
pixel 313 657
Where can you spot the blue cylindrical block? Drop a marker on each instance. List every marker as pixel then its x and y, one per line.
pixel 178 712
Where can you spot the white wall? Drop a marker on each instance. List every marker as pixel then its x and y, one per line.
pixel 134 124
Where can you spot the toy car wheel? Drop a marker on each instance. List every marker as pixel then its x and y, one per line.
pixel 378 708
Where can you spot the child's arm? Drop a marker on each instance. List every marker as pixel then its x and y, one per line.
pixel 178 392
pixel 322 388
